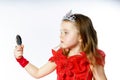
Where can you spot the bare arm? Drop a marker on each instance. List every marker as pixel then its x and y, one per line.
pixel 33 70
pixel 42 71
pixel 98 73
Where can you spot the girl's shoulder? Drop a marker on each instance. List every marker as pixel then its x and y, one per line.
pixel 101 60
pixel 56 55
pixel 101 52
pixel 55 52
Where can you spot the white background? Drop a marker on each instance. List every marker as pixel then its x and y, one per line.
pixel 38 22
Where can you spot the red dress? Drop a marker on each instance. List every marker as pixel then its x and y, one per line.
pixel 76 67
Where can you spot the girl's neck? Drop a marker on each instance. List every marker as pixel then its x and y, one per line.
pixel 74 51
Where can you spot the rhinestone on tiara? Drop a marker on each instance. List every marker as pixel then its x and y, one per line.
pixel 69 16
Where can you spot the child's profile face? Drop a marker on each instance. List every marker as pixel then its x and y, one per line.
pixel 69 36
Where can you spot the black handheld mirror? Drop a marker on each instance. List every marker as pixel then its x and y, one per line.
pixel 18 40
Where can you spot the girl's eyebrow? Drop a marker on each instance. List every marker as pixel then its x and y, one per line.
pixel 64 29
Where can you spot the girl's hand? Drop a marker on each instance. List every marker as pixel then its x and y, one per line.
pixel 18 52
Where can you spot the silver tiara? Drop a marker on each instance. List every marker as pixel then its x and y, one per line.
pixel 69 16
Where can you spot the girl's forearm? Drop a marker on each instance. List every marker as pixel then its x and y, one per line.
pixel 32 70
pixel 42 71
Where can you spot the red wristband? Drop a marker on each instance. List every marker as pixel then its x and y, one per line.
pixel 22 61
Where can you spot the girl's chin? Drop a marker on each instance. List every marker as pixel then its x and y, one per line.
pixel 64 47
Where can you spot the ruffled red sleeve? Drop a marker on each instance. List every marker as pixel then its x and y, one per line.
pixel 101 60
pixel 56 55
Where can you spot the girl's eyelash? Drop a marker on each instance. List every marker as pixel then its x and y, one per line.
pixel 65 31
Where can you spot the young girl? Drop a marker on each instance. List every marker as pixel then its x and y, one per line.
pixel 78 57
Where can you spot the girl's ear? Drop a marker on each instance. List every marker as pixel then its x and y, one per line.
pixel 80 39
